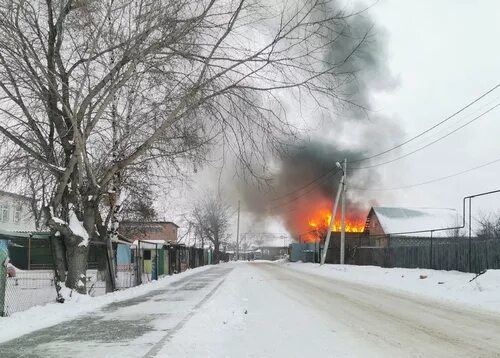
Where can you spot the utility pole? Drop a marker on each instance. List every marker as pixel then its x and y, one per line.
pixel 342 230
pixel 334 213
pixel 238 234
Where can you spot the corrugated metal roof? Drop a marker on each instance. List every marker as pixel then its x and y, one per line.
pixel 396 220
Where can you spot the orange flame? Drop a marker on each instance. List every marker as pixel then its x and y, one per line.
pixel 320 221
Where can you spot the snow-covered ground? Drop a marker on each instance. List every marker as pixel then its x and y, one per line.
pixel 250 317
pixel 264 309
pixel 481 292
pixel 300 310
pixel 42 316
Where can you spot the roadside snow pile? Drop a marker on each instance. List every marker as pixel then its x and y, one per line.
pixel 481 292
pixel 39 317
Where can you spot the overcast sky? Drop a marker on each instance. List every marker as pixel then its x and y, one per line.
pixel 444 54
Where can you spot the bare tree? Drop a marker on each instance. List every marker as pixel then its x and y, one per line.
pixel 210 221
pixel 489 226
pixel 92 89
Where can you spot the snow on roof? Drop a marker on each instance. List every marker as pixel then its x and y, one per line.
pixel 400 220
pixel 149 244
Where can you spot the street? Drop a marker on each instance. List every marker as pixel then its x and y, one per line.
pixel 292 314
pixel 261 309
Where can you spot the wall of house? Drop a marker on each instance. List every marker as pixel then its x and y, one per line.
pixel 375 227
pixel 164 231
pixel 15 214
pixel 154 231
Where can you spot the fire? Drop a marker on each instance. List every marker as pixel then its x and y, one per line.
pixel 320 220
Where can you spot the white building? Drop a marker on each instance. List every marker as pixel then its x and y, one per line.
pixel 15 212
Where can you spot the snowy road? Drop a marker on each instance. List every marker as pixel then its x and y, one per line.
pixel 292 314
pixel 391 324
pixel 268 310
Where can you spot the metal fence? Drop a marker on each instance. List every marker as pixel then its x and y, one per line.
pixel 30 280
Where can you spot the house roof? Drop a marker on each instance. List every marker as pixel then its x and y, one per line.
pixel 7 234
pixel 15 196
pixel 145 223
pixel 148 244
pixel 397 220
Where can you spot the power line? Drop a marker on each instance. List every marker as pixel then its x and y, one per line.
pixel 403 143
pixel 430 143
pixel 430 128
pixel 429 181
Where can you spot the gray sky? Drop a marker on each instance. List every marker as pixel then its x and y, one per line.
pixel 443 54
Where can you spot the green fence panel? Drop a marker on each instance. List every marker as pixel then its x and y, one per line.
pixel 161 262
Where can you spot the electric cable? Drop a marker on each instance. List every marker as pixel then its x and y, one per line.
pixel 428 181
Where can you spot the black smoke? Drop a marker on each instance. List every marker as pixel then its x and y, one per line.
pixel 304 181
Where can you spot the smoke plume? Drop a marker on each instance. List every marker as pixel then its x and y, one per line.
pixel 300 189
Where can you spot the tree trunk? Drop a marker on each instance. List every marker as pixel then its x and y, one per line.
pixel 58 257
pixel 76 257
pixel 70 250
pixel 216 252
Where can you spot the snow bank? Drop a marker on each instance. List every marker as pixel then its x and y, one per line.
pixel 482 292
pixel 39 317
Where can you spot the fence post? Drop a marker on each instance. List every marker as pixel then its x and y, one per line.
pixel 470 235
pixel 156 259
pixel 3 281
pixel 139 263
pixel 430 256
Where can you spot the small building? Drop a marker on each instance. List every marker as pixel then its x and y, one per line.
pixel 272 249
pixel 150 231
pixel 273 253
pixel 304 252
pixel 383 221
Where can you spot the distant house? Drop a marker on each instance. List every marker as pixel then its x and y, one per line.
pixel 382 221
pixel 150 231
pixel 15 212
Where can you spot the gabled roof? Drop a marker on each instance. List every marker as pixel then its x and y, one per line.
pixel 397 220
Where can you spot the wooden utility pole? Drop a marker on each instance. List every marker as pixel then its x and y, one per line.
pixel 334 213
pixel 342 230
pixel 238 234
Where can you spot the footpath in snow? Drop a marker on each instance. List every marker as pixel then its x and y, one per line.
pixel 481 291
pixel 43 316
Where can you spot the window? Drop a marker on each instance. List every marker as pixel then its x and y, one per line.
pixel 17 214
pixel 4 213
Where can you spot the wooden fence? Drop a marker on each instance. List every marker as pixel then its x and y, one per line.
pixel 459 253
